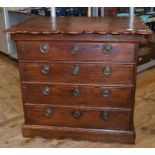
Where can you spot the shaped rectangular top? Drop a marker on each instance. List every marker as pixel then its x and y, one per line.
pixel 78 25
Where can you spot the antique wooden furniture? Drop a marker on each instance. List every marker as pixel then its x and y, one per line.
pixel 78 76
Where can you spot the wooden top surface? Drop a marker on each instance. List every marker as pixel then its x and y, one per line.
pixel 78 25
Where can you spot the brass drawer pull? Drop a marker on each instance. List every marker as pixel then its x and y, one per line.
pixel 45 69
pixel 48 112
pixel 44 48
pixel 107 48
pixel 76 92
pixel 75 50
pixel 105 115
pixel 76 114
pixel 76 69
pixel 107 70
pixel 46 90
pixel 106 93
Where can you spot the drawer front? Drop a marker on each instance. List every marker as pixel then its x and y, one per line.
pixel 63 94
pixel 121 52
pixel 78 117
pixel 77 73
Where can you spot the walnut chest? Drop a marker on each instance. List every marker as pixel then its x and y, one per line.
pixel 78 76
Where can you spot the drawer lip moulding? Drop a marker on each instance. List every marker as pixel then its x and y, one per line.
pixel 103 118
pixel 99 73
pixel 76 51
pixel 78 95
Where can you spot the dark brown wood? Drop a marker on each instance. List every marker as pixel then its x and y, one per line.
pixel 85 51
pixel 89 73
pixel 90 118
pixel 122 38
pixel 134 90
pixel 144 55
pixel 72 84
pixel 78 25
pixel 62 94
pixel 111 136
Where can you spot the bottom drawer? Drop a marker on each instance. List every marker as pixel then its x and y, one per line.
pixel 101 118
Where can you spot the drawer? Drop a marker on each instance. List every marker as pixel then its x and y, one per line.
pixel 78 117
pixel 83 95
pixel 77 73
pixel 39 50
pixel 144 55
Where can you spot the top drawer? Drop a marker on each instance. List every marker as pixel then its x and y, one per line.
pixel 75 51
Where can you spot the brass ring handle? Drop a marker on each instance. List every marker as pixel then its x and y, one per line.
pixel 46 90
pixel 105 115
pixel 45 69
pixel 76 69
pixel 75 50
pixel 48 112
pixel 107 48
pixel 106 93
pixel 76 114
pixel 107 70
pixel 76 92
pixel 44 48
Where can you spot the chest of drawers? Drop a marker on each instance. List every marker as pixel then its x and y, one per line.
pixel 78 76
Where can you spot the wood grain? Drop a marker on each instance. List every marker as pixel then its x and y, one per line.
pixel 90 95
pixel 10 131
pixel 78 25
pixel 79 72
pixel 89 73
pixel 125 38
pixel 63 116
pixel 61 51
pixel 77 133
pixel 103 69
